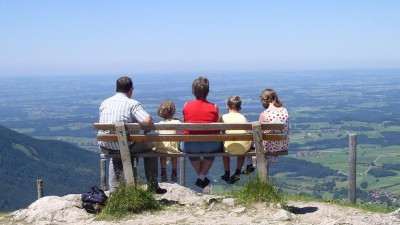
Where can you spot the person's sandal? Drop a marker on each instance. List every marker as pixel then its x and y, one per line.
pixel 199 183
pixel 160 191
pixel 202 183
pixel 249 169
pixel 226 179
pixel 206 182
pixel 234 178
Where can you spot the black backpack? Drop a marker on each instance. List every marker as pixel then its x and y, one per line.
pixel 94 200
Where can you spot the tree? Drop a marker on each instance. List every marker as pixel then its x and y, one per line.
pixel 364 185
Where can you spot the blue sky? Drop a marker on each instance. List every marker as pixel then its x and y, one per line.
pixel 114 37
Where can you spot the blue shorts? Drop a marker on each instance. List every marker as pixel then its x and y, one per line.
pixel 201 147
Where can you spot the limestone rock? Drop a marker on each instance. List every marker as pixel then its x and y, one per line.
pixel 184 196
pixel 53 209
pixel 396 213
pixel 283 215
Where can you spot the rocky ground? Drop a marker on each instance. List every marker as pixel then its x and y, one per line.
pixel 189 207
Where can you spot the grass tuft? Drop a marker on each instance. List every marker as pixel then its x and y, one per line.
pixel 255 190
pixel 127 200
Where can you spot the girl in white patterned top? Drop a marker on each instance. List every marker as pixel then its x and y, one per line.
pixel 274 113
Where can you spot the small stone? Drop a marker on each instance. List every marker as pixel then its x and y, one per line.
pixel 200 213
pixel 239 210
pixel 229 201
pixel 212 207
pixel 283 215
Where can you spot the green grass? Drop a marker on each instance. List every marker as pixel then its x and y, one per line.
pixel 24 130
pixel 255 190
pixel 128 200
pixel 57 128
pixel 78 126
pixel 22 149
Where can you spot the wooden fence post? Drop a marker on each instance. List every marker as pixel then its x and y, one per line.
pixel 352 167
pixel 262 164
pixel 39 188
pixel 125 153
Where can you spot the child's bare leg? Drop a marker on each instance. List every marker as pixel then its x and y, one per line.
pixel 174 162
pixel 240 162
pixel 227 163
pixel 163 163
pixel 227 168
pixel 250 167
pixel 174 174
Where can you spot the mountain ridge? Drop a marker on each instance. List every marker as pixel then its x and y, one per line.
pixel 63 167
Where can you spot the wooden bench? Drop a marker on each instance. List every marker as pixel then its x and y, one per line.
pixel 121 133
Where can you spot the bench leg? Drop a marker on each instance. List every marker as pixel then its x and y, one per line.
pixel 182 171
pixel 135 174
pixel 262 164
pixel 103 174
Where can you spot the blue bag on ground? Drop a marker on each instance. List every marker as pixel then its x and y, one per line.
pixel 94 200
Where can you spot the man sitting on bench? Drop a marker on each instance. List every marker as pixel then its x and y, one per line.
pixel 121 108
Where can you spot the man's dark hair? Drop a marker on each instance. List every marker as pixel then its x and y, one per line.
pixel 200 88
pixel 124 84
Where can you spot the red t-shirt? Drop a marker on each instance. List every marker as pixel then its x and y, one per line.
pixel 200 111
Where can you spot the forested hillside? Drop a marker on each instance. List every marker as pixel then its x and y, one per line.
pixel 63 167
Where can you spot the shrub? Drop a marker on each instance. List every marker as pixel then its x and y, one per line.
pixel 364 185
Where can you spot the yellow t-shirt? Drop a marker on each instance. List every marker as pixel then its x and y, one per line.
pixel 235 147
pixel 168 146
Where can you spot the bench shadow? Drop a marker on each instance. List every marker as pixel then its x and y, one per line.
pixel 302 210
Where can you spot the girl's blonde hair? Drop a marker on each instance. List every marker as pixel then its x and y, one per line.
pixel 166 109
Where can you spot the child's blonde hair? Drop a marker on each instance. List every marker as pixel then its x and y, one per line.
pixel 234 103
pixel 166 109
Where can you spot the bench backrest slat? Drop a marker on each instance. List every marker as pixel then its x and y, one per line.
pixel 197 137
pixel 190 126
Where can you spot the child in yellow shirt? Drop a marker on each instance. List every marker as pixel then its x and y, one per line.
pixel 233 106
